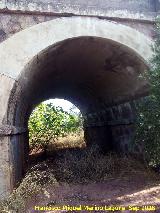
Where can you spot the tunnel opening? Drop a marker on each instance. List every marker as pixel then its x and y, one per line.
pixel 98 75
pixel 54 125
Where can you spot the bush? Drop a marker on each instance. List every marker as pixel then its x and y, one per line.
pixel 148 110
pixel 48 122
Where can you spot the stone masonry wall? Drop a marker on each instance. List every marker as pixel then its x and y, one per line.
pixel 58 5
pixel 16 15
pixel 13 23
pixel 111 129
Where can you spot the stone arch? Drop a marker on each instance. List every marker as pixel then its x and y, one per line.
pixel 23 46
pixel 29 51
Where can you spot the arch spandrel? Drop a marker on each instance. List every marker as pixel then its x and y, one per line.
pixel 23 46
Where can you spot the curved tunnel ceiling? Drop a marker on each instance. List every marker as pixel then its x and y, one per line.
pixel 91 72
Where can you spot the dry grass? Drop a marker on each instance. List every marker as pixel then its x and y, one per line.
pixel 72 166
pixel 90 165
pixel 35 182
pixel 68 142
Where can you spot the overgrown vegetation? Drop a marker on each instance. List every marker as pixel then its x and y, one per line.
pixel 72 166
pixel 148 122
pixel 35 182
pixel 47 123
pixel 90 165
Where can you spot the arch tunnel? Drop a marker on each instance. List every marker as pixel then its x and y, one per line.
pixel 98 74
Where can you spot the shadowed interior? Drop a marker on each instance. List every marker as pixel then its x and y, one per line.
pixel 99 76
pixel 93 73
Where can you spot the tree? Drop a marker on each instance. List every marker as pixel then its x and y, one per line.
pixel 148 109
pixel 48 122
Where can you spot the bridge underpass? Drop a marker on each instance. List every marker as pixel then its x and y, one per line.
pixel 99 76
pixel 95 70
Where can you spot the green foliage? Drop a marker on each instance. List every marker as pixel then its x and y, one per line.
pixel 148 122
pixel 148 129
pixel 48 122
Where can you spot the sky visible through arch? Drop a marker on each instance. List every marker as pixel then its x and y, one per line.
pixel 66 105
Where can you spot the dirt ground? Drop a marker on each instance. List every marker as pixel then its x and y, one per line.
pixel 134 190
